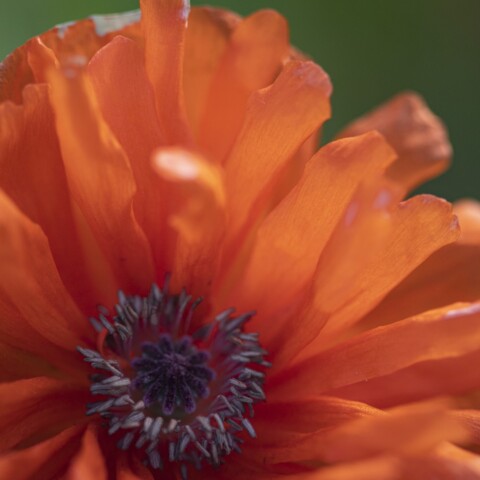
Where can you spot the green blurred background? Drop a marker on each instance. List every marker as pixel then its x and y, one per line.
pixel 371 49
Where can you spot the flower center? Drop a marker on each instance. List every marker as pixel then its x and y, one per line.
pixel 172 373
pixel 173 394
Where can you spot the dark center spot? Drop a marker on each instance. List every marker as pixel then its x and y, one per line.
pixel 172 375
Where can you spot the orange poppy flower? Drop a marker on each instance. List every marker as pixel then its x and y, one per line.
pixel 148 162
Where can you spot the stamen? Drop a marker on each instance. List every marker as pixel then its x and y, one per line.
pixel 175 395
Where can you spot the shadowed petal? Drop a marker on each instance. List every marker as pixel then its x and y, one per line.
pixel 34 409
pixel 44 460
pixel 89 462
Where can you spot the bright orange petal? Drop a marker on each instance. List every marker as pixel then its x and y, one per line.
pixel 251 61
pixel 207 36
pixel 420 381
pixel 39 188
pixel 450 275
pixel 105 200
pixel 30 281
pixel 418 136
pixel 438 334
pixel 164 24
pixel 271 134
pixel 89 462
pixel 468 213
pixel 84 38
pixel 358 268
pixel 25 352
pixel 284 259
pixel 35 409
pixel 131 96
pixel 42 461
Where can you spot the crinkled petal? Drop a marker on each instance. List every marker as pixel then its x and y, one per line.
pixel 270 136
pixel 83 38
pixel 164 23
pixel 364 261
pixel 417 135
pixel 208 33
pixel 283 260
pixel 29 280
pixel 131 96
pixel 443 333
pixel 34 177
pixel 104 196
pixel 450 275
pixel 251 61
pixel 272 133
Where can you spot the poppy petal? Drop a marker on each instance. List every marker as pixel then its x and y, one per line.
pixel 164 24
pixel 89 461
pixel 198 215
pixel 131 96
pixel 271 136
pixel 44 460
pixel 448 462
pixel 406 430
pixel 303 416
pixel 252 59
pixel 34 409
pixel 438 334
pixel 406 249
pixel 417 135
pixel 138 471
pixel 27 133
pixel 420 381
pixel 468 213
pixel 18 364
pixel 30 280
pixel 208 32
pixel 312 210
pixel 450 275
pixel 350 280
pixel 105 200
